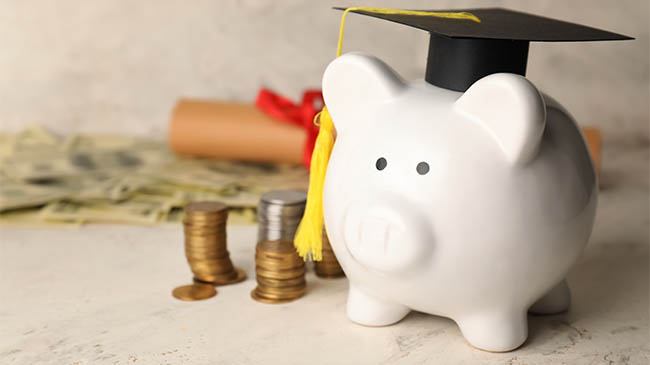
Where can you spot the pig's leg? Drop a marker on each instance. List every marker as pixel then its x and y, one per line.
pixel 556 300
pixel 495 331
pixel 371 311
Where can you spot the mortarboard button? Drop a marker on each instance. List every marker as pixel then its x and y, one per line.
pixel 461 52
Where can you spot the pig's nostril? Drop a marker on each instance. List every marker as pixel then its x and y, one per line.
pixel 381 163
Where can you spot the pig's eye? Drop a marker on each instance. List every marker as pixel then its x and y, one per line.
pixel 381 163
pixel 422 168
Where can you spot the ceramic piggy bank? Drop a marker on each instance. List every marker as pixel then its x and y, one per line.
pixel 470 205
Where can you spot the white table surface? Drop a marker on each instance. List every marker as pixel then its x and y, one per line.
pixel 102 294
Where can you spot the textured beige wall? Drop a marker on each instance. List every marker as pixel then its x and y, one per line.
pixel 119 65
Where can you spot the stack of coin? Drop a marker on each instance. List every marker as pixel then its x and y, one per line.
pixel 279 213
pixel 205 244
pixel 328 267
pixel 280 272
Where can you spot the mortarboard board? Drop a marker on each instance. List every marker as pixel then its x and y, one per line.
pixel 462 52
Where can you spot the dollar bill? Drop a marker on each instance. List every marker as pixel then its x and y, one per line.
pixel 79 162
pixel 135 210
pixel 92 178
pixel 16 195
pixel 31 218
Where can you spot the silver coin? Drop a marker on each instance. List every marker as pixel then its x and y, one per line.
pixel 285 197
pixel 280 213
pixel 283 212
pixel 262 213
pixel 279 218
pixel 280 222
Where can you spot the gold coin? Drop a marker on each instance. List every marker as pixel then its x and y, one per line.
pixel 284 254
pixel 216 227
pixel 212 278
pixel 204 234
pixel 201 216
pixel 208 236
pixel 205 219
pixel 265 292
pixel 275 265
pixel 207 249
pixel 274 256
pixel 211 268
pixel 328 266
pixel 285 292
pixel 211 221
pixel 211 244
pixel 329 269
pixel 280 274
pixel 220 280
pixel 204 207
pixel 333 271
pixel 260 298
pixel 215 243
pixel 276 283
pixel 277 246
pixel 207 254
pixel 194 292
pixel 215 257
pixel 330 276
pixel 209 262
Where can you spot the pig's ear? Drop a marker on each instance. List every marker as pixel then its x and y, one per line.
pixel 511 109
pixel 356 81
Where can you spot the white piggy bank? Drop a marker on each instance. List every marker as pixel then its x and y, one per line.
pixel 471 206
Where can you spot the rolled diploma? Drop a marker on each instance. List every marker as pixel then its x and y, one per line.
pixel 233 131
pixel 241 131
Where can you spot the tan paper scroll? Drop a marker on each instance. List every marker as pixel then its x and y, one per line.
pixel 233 131
pixel 241 131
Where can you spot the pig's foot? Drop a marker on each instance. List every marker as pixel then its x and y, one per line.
pixel 495 332
pixel 557 300
pixel 371 311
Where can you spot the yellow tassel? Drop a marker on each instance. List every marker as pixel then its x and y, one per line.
pixel 460 15
pixel 309 236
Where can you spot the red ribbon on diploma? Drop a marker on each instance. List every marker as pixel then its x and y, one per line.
pixel 302 114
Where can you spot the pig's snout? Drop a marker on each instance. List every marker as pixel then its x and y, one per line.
pixel 386 236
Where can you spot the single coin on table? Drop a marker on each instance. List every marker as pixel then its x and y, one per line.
pixel 194 292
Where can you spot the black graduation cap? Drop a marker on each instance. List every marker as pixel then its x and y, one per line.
pixel 463 51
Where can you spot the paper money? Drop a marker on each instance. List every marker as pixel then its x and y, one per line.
pixel 135 210
pixel 92 178
pixel 78 162
pixel 15 195
pixel 31 218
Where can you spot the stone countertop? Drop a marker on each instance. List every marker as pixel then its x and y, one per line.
pixel 102 294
